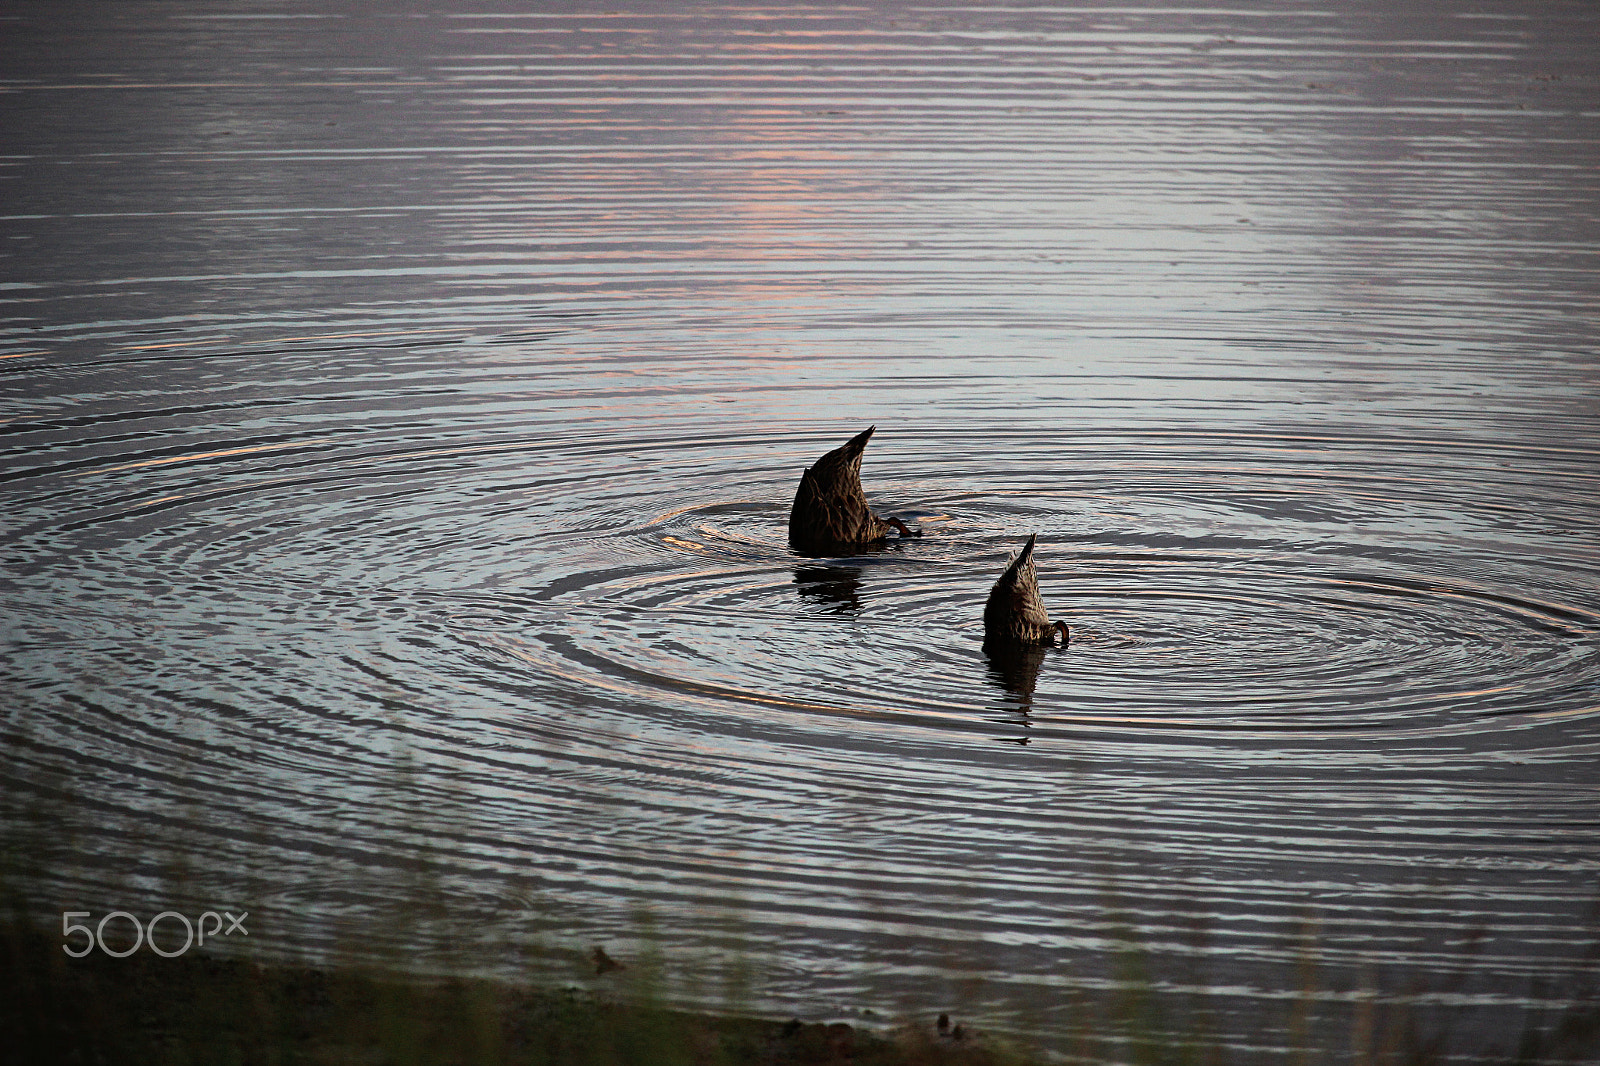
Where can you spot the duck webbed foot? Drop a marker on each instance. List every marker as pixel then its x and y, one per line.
pixel 902 529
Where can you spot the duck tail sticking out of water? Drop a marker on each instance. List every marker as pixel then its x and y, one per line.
pixel 1015 611
pixel 830 511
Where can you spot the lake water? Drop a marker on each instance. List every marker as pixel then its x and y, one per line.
pixel 401 413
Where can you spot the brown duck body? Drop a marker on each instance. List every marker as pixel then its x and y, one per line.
pixel 1015 611
pixel 830 511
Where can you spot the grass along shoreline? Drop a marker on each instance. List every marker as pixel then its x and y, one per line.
pixel 202 1008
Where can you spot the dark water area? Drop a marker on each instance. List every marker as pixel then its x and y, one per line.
pixel 399 415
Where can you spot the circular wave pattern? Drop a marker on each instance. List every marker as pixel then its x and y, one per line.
pixel 1180 639
pixel 1232 627
pixel 1206 612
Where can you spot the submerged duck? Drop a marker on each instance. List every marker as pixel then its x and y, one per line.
pixel 830 510
pixel 1015 611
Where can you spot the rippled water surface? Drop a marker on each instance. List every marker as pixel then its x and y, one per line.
pixel 401 413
